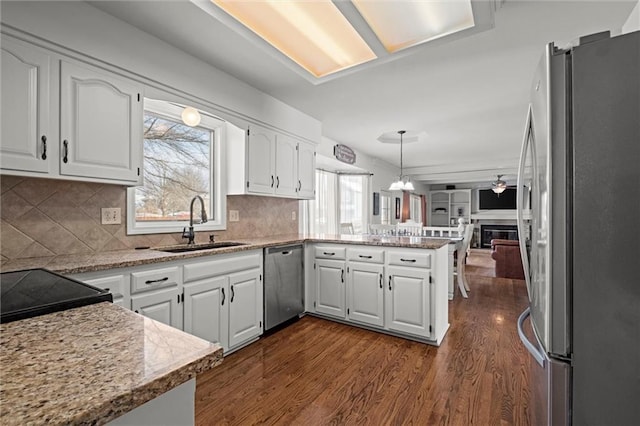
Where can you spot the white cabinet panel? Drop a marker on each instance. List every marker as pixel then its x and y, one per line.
pixel 407 300
pixel 245 306
pixel 286 166
pixel 330 287
pixel 260 160
pixel 163 306
pixel 365 293
pixel 306 170
pixel 26 133
pixel 206 309
pixel 100 124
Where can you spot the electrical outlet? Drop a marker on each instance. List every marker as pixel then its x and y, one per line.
pixel 293 215
pixel 111 216
pixel 234 215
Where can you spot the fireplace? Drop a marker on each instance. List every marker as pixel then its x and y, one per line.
pixel 497 232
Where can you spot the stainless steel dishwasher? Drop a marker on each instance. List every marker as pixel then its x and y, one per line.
pixel 283 284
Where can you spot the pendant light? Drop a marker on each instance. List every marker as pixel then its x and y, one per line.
pixel 499 185
pixel 403 183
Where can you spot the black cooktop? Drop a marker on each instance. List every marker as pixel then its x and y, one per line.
pixel 33 292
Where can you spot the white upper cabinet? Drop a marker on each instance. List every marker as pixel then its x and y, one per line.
pixel 26 130
pixel 100 124
pixel 64 120
pixel 271 163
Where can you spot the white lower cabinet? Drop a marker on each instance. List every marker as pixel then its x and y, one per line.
pixel 245 307
pixel 365 294
pixel 330 287
pixel 223 298
pixel 401 291
pixel 162 305
pixel 217 298
pixel 407 302
pixel 206 309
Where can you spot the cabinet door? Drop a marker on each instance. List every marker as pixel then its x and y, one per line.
pixel 286 166
pixel 330 287
pixel 100 125
pixel 365 293
pixel 163 306
pixel 261 160
pixel 26 132
pixel 245 306
pixel 306 170
pixel 407 300
pixel 206 310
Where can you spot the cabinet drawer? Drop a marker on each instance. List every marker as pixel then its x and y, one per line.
pixel 153 279
pixel 114 284
pixel 418 260
pixel 220 265
pixel 365 255
pixel 331 252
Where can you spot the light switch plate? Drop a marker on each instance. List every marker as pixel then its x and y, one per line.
pixel 234 215
pixel 293 215
pixel 111 216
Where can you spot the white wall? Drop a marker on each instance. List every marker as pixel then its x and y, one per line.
pixel 122 47
pixel 633 23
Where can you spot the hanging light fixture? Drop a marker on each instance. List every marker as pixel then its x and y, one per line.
pixel 191 116
pixel 403 183
pixel 499 185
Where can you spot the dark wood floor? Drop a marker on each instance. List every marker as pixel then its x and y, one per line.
pixel 320 372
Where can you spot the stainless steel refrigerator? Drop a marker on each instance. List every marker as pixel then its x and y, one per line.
pixel 579 175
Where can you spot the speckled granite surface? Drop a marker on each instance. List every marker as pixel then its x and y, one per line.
pixel 74 264
pixel 92 364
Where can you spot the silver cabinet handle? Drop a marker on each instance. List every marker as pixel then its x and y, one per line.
pixel 44 147
pixel 156 281
pixel 65 159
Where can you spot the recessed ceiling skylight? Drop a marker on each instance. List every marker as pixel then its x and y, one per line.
pixel 314 34
pixel 402 24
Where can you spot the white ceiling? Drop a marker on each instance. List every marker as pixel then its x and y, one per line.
pixel 469 95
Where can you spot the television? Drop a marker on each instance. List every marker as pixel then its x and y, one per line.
pixel 489 200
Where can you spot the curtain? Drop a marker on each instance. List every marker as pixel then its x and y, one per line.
pixel 322 211
pixel 354 201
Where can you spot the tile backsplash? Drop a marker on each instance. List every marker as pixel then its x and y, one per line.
pixel 47 217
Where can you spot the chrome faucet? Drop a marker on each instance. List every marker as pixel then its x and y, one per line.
pixel 203 218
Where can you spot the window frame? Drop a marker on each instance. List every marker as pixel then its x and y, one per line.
pixel 217 208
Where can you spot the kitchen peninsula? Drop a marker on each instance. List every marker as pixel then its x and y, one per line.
pixel 92 364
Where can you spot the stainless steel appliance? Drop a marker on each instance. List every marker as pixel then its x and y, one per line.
pixel 580 166
pixel 283 284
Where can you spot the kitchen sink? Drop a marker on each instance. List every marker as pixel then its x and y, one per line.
pixel 197 247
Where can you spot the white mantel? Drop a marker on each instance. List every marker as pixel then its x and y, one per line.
pixel 497 215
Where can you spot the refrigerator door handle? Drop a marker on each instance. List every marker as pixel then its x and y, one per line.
pixel 519 201
pixel 533 349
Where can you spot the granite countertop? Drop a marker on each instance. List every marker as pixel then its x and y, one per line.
pixel 92 364
pixel 74 264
